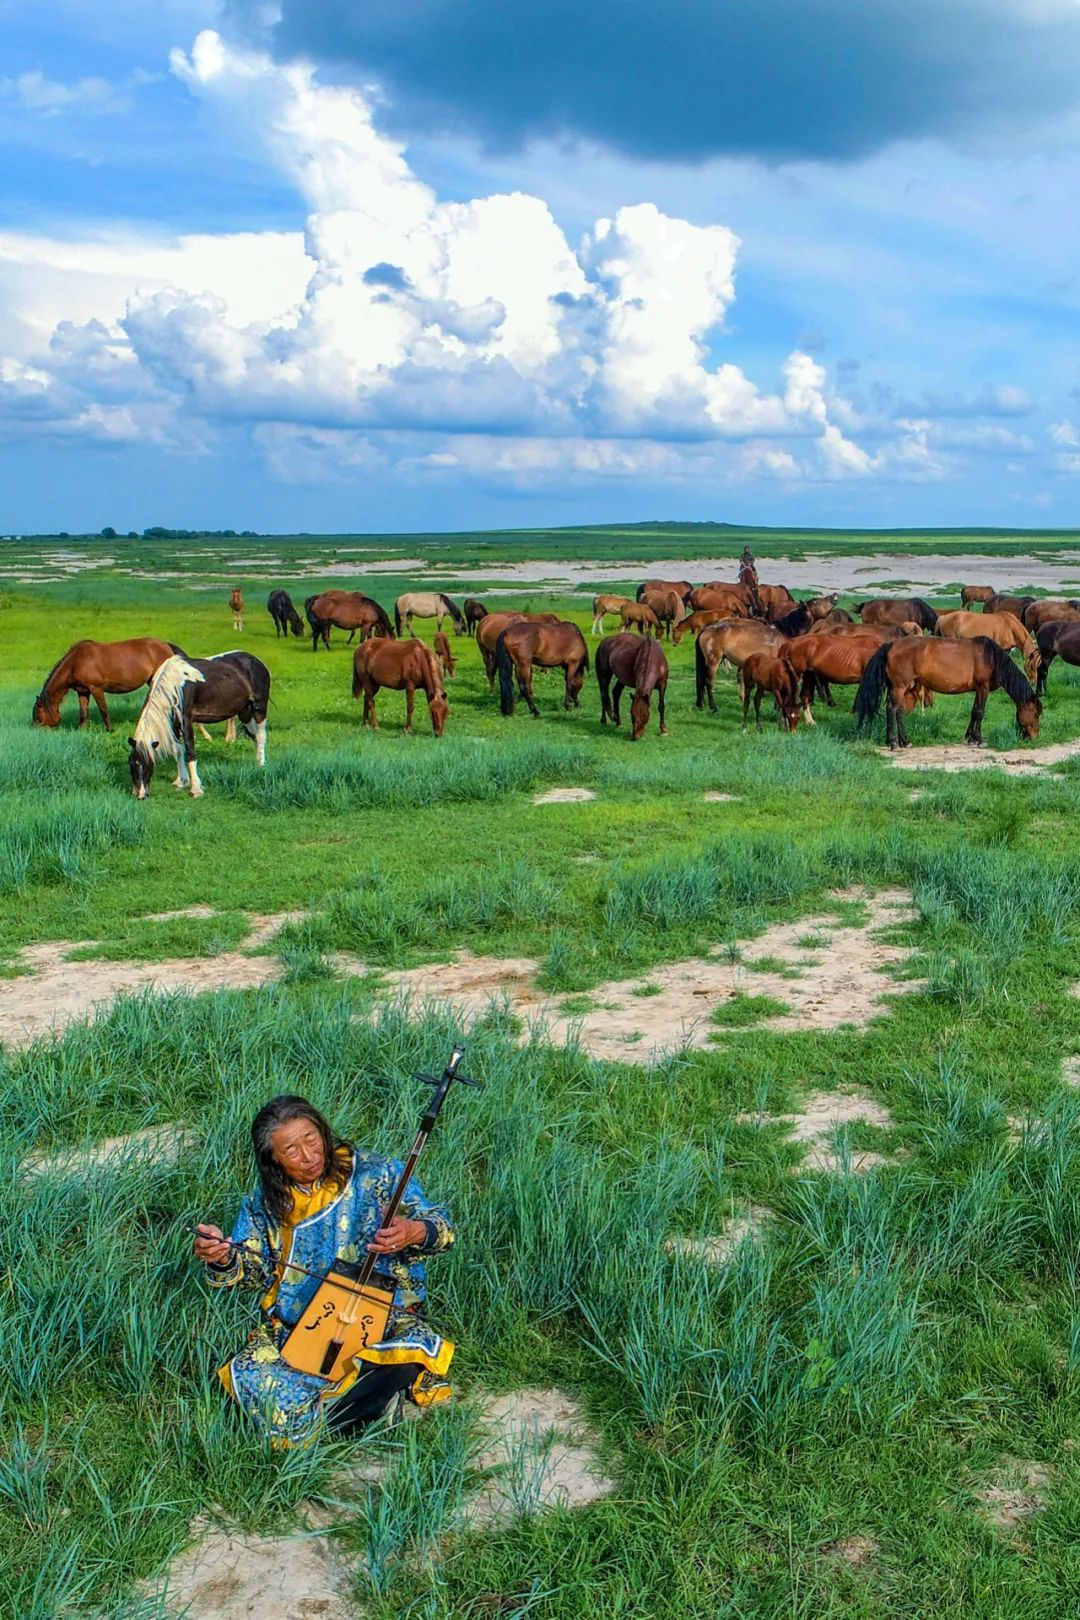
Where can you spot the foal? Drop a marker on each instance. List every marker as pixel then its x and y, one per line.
pixel 236 602
pixel 770 672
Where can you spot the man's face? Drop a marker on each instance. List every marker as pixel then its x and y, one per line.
pixel 298 1149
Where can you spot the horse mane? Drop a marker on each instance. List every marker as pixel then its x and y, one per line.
pixel 45 683
pixel 1012 680
pixel 384 617
pixel 162 715
pixel 795 622
pixel 923 613
pixel 451 607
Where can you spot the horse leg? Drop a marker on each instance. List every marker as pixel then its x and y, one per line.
pixel 710 677
pixel 806 698
pixel 352 634
pixel 410 695
pixel 230 729
pixel 661 693
pixel 744 696
pixel 604 683
pixel 84 708
pixel 99 698
pixel 526 689
pixel 617 692
pixel 759 692
pixel 978 709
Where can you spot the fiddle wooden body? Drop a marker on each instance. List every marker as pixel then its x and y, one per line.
pixel 342 1318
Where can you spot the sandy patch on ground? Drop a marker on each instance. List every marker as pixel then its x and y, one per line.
pixel 817 1122
pixel 536 1451
pixel 1070 1070
pixel 854 1551
pixel 1013 1492
pixel 56 992
pixel 164 1144
pixel 959 757
pixel 719 1249
pixel 565 795
pixel 721 798
pixel 842 984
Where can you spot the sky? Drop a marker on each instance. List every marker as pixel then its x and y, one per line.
pixel 327 265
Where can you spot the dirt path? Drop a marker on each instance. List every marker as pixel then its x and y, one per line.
pixel 959 757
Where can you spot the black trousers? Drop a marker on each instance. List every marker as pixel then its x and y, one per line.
pixel 369 1396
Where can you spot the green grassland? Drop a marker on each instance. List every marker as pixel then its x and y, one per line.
pixel 858 1372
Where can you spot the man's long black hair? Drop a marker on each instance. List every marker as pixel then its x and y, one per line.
pixel 276 1186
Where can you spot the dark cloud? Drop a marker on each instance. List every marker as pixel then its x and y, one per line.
pixel 773 79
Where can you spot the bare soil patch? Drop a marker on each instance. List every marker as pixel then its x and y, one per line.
pixel 720 798
pixel 164 1144
pixel 539 1452
pixel 1014 1491
pixel 1070 1071
pixel 229 1576
pixel 720 1248
pixel 817 1122
pixel 854 1551
pixel 565 795
pixel 959 757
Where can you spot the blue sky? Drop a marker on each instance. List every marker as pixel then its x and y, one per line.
pixel 319 265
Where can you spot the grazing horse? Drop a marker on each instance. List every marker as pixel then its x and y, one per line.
pixel 1003 628
pixel 1046 609
pixel 92 668
pixel 443 653
pixel 491 628
pixel 794 623
pixel 978 666
pixel 636 663
pixel 999 603
pixel 898 610
pixel 473 610
pixel 822 660
pixel 835 617
pixel 609 604
pixel 728 601
pixel 347 610
pixel 279 605
pixel 682 587
pixel 732 641
pixel 1059 638
pixel 399 665
pixel 236 602
pixel 186 691
pixel 522 647
pixel 641 617
pixel 770 672
pixel 668 607
pixel 693 623
pixel 975 593
pixel 774 601
pixel 427 605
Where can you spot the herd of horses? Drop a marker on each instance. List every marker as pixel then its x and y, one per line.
pixel 897 649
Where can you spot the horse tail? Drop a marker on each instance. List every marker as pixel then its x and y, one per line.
pixel 357 684
pixel 1012 680
pixel 585 661
pixel 875 678
pixel 923 614
pixel 639 593
pixel 397 616
pixel 505 666
pixel 701 671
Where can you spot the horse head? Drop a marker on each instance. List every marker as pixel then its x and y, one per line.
pixel 141 764
pixel 1028 716
pixel 438 708
pixel 46 711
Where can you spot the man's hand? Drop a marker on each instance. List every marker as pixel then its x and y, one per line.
pixel 400 1234
pixel 212 1246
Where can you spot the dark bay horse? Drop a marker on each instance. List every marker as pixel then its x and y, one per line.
pixel 523 647
pixel 1000 602
pixel 1060 638
pixel 978 666
pixel 92 668
pixel 279 605
pixel 185 692
pixel 473 611
pixel 1047 608
pixel 345 610
pixel 770 672
pixel 898 610
pixel 399 666
pixel 638 663
pixel 491 628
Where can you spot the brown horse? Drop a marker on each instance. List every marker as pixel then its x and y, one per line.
pixel 821 661
pixel 668 607
pixel 978 666
pixel 1059 638
pixel 682 587
pixel 774 601
pixel 976 593
pixel 602 605
pixel 770 672
pixel 898 610
pixel 1003 628
pixel 444 654
pixel 641 617
pixel 728 601
pixel 236 602
pixel 695 622
pixel 473 611
pixel 1047 609
pixel 491 628
pixel 523 647
pixel 92 668
pixel 399 665
pixel 823 607
pixel 641 665
pixel 1000 603
pixel 731 641
pixel 346 610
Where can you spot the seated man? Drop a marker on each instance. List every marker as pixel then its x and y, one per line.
pixel 319 1200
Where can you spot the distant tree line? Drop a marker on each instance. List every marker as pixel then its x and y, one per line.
pixel 157 532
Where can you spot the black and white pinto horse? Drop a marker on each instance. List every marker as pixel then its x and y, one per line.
pixel 184 692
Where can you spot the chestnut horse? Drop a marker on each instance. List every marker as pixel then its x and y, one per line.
pixel 279 605
pixel 642 617
pixel 770 672
pixel 898 610
pixel 1048 608
pixel 731 641
pixel 236 602
pixel 774 601
pixel 975 593
pixel 399 665
pixel 1060 638
pixel 729 601
pixel 473 610
pixel 523 647
pixel 682 587
pixel 491 628
pixel 602 605
pixel 443 653
pixel 978 666
pixel 92 668
pixel 636 663
pixel 1004 628
pixel 186 691
pixel 693 623
pixel 346 610
pixel 1000 603
pixel 836 616
pixel 822 660
pixel 668 607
